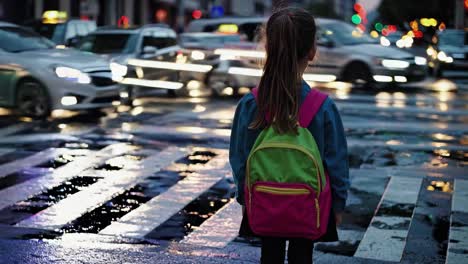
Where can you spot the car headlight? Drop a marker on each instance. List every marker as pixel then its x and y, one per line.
pixel 395 64
pixel 118 71
pixel 72 74
pixel 197 55
pixel 442 56
pixel 420 60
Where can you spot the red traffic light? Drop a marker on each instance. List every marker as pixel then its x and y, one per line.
pixel 197 14
pixel 359 8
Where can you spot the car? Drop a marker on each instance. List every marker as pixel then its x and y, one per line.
pixel 245 26
pixel 152 42
pixel 347 54
pixel 449 52
pixel 344 54
pixel 55 26
pixel 36 78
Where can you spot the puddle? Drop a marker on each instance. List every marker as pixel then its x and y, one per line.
pixel 392 209
pixel 97 219
pixel 195 213
pixel 120 162
pixel 428 234
pixel 57 162
pixel 37 203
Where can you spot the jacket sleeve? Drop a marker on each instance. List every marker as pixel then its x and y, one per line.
pixel 336 157
pixel 242 140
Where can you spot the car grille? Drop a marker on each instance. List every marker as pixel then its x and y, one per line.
pixel 101 78
pixel 104 100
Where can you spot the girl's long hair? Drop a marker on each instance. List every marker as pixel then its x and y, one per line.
pixel 290 35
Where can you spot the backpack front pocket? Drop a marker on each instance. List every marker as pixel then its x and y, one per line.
pixel 283 210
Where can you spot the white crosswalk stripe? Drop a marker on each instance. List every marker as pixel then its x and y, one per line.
pixel 150 215
pixel 386 235
pixel 84 201
pixel 30 161
pixel 219 229
pixel 458 234
pixel 35 186
pixel 5 131
pixel 4 151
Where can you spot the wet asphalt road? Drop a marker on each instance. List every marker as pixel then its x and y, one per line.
pixel 151 183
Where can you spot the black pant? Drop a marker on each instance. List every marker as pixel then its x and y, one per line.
pixel 274 250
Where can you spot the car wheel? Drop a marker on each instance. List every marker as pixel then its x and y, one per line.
pixel 32 99
pixel 358 74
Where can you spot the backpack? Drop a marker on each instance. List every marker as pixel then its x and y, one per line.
pixel 287 192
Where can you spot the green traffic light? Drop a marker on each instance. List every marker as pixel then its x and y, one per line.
pixel 356 19
pixel 378 26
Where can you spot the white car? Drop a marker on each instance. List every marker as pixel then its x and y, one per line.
pixel 37 78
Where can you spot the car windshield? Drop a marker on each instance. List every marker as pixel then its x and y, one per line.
pixel 109 43
pixel 15 39
pixel 54 32
pixel 209 40
pixel 453 38
pixel 345 34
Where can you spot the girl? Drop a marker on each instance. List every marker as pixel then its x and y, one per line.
pixel 290 45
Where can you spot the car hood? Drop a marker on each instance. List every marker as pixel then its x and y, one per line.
pixel 377 50
pixel 68 57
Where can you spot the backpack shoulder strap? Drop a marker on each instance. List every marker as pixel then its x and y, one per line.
pixel 255 93
pixel 310 107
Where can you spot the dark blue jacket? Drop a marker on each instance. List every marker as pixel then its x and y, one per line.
pixel 326 128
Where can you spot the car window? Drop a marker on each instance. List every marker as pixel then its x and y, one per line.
pixel 158 39
pixel 209 39
pixel 109 43
pixel 453 38
pixel 71 30
pixel 81 29
pixel 54 32
pixel 16 39
pixel 345 34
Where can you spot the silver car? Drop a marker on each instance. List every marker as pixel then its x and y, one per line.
pixel 344 54
pixel 37 78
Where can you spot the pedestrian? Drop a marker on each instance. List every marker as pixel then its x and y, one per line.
pixel 284 107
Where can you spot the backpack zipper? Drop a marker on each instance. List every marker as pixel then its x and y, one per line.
pixel 317 207
pixel 284 191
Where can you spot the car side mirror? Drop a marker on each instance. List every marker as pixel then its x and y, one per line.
pixel 325 43
pixel 149 50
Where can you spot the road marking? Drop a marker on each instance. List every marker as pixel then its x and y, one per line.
pixel 159 209
pixel 14 129
pixel 35 186
pixel 30 161
pixel 219 229
pixel 407 127
pixel 76 205
pixel 460 196
pixel 34 138
pixel 385 238
pixel 458 234
pixel 406 109
pixel 186 131
pixel 4 151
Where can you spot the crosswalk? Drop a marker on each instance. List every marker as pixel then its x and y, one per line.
pixel 383 240
pixel 378 234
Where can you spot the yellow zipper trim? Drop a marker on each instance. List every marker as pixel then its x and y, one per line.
pixel 317 208
pixel 278 190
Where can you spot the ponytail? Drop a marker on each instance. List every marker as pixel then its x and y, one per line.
pixel 290 35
